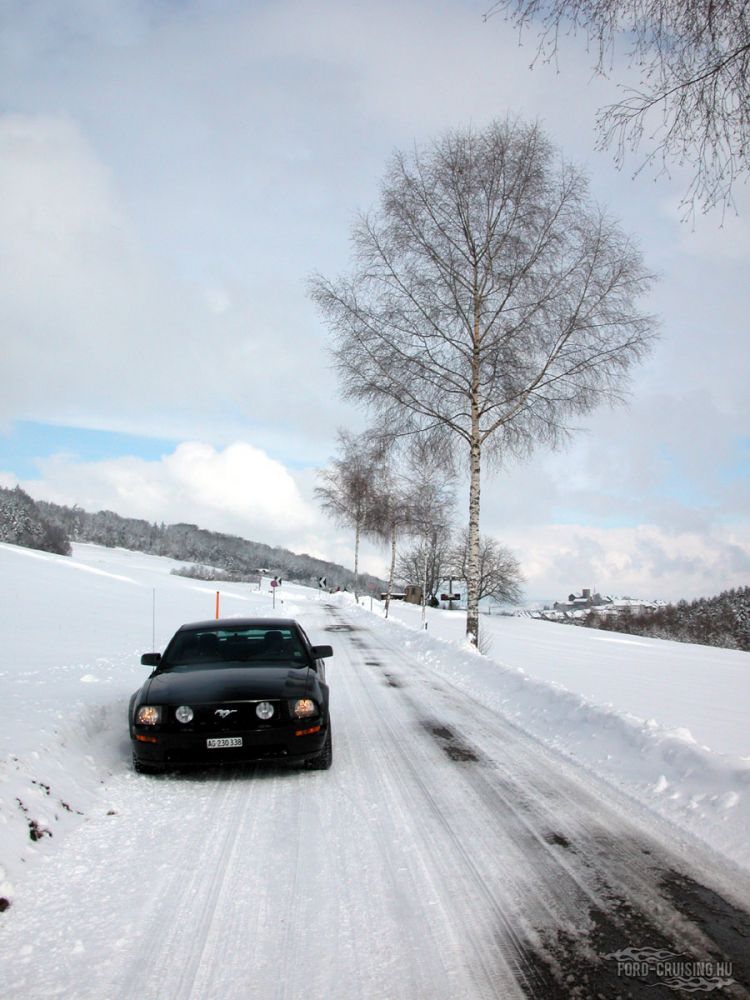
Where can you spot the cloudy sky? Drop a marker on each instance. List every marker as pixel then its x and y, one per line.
pixel 172 171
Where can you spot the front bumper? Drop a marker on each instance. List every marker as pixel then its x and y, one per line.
pixel 298 742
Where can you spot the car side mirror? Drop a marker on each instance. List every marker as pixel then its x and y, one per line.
pixel 151 659
pixel 321 652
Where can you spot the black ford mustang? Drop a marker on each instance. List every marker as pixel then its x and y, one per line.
pixel 233 690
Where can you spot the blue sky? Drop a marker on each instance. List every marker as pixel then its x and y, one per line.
pixel 27 444
pixel 170 176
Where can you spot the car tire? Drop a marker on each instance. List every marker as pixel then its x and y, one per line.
pixel 323 760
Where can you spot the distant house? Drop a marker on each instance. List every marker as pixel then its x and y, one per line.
pixel 585 602
pixel 582 602
pixel 449 594
pixel 632 605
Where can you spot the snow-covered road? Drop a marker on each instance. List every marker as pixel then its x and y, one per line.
pixel 446 855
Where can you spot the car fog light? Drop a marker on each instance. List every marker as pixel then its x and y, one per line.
pixel 303 708
pixel 184 713
pixel 264 710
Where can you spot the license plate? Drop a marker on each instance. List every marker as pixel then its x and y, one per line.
pixel 224 741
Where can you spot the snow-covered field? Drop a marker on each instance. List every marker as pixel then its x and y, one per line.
pixel 663 725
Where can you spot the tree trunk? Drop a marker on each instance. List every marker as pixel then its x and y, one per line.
pixel 356 563
pixel 392 572
pixel 472 574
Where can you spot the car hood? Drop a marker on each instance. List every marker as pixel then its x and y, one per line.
pixel 180 687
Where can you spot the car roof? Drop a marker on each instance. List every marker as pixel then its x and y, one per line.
pixel 268 623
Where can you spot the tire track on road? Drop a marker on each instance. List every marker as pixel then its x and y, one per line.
pixel 476 915
pixel 600 865
pixel 177 931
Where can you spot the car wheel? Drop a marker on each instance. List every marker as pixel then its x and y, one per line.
pixel 323 760
pixel 142 768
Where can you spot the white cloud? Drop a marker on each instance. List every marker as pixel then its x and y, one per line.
pixel 235 490
pixel 644 561
pixel 241 482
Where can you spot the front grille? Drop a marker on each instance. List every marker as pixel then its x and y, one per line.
pixel 230 717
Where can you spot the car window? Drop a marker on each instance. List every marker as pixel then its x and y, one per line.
pixel 226 646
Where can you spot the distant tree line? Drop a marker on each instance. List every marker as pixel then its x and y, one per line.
pixel 710 621
pixel 52 527
pixel 22 523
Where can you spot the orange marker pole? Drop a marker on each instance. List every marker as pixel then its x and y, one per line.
pixel 217 603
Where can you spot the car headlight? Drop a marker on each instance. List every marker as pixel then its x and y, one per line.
pixel 264 710
pixel 148 715
pixel 184 714
pixel 303 708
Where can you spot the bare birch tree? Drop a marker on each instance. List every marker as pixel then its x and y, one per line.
pixel 345 489
pixel 490 300
pixel 427 560
pixel 499 571
pixel 391 513
pixel 693 98
pixel 427 483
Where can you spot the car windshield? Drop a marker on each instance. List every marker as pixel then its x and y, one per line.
pixel 252 646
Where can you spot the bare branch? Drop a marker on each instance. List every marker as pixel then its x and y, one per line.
pixel 693 103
